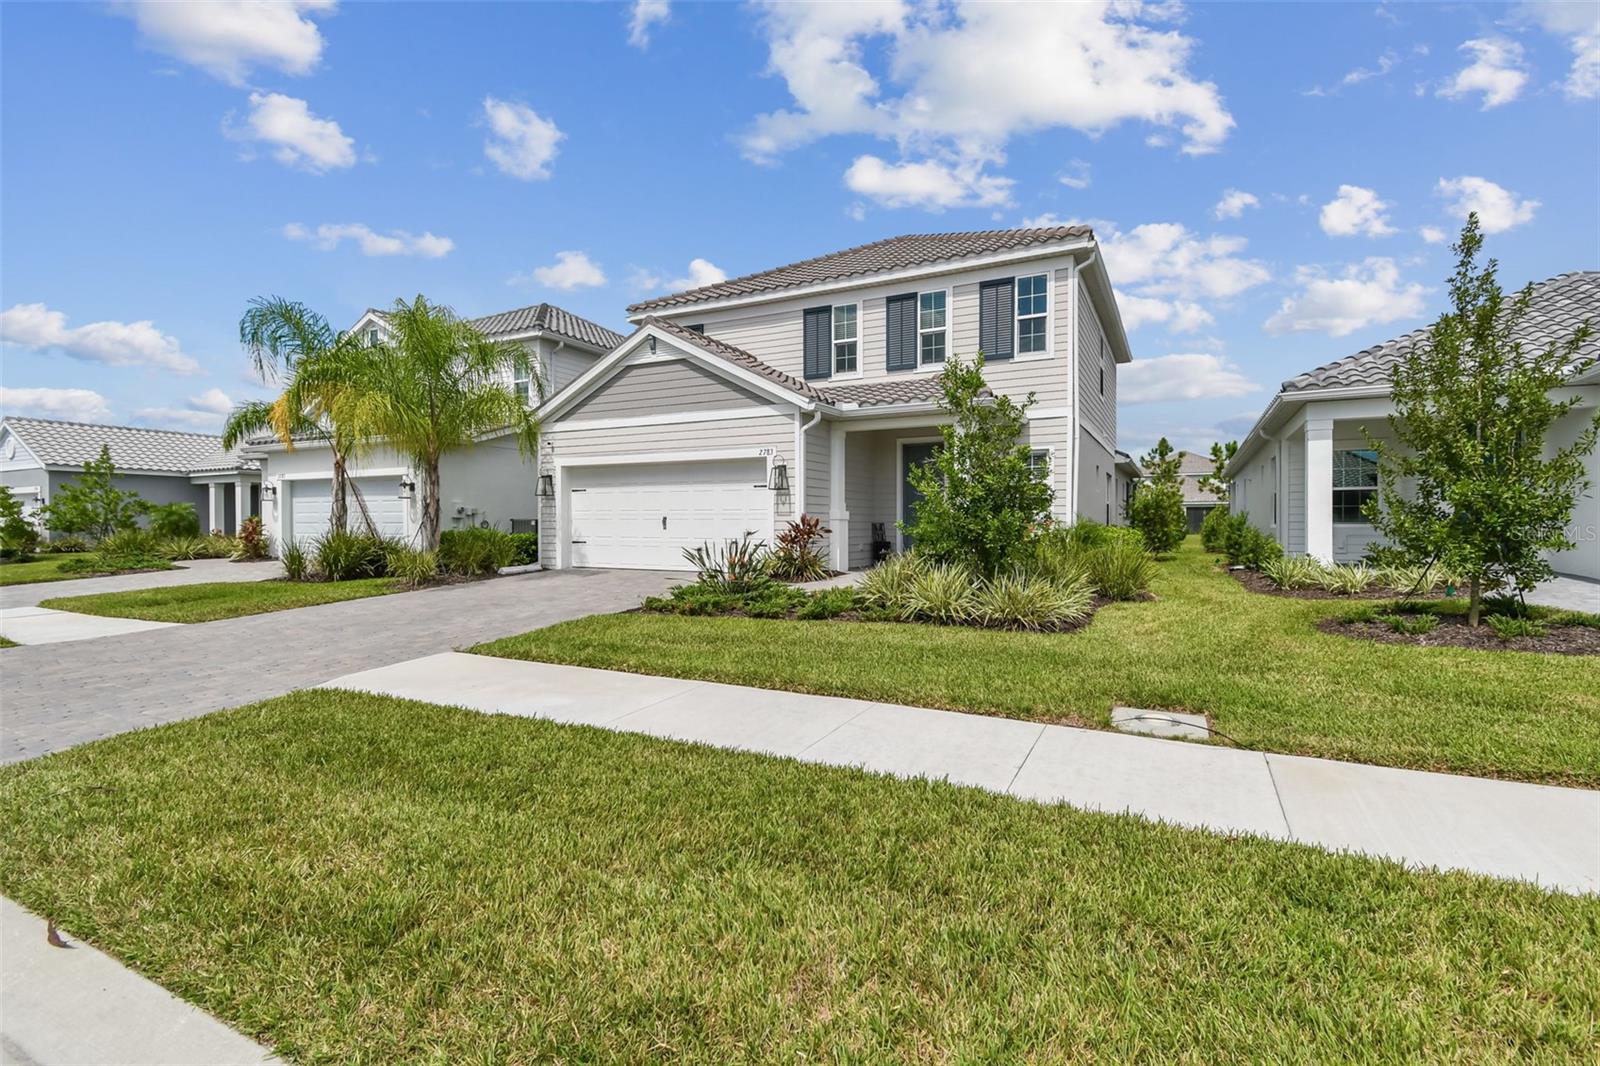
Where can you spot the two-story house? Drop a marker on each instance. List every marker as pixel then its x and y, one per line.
pixel 812 388
pixel 490 484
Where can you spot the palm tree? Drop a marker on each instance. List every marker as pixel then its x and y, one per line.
pixel 279 335
pixel 435 385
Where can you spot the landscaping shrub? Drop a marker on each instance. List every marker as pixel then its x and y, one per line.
pixel 1156 511
pixel 184 548
pixel 942 592
pixel 525 548
pixel 1121 569
pixel 763 599
pixel 1346 580
pixel 1214 529
pixel 340 555
pixel 18 536
pixel 732 566
pixel 1023 601
pixel 107 563
pixel 412 567
pixel 129 542
pixel 1247 546
pixel 1414 624
pixel 829 603
pixel 1293 572
pixel 1510 627
pixel 65 545
pixel 797 555
pixel 1113 558
pixel 253 541
pixel 888 584
pixel 475 552
pixel 172 520
pixel 296 566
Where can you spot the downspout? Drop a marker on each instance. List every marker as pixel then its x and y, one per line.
pixel 800 431
pixel 551 381
pixel 1072 381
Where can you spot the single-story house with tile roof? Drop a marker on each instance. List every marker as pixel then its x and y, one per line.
pixel 1305 468
pixel 813 389
pixel 491 484
pixel 39 455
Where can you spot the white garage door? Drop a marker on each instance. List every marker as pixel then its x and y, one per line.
pixel 642 517
pixel 313 507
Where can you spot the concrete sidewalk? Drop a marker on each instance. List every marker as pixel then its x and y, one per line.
pixel 42 625
pixel 188 572
pixel 1538 833
pixel 60 1006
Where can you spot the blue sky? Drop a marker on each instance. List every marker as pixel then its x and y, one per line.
pixel 1275 185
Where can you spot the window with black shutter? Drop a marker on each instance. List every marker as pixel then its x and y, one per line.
pixel 818 339
pixel 900 340
pixel 996 318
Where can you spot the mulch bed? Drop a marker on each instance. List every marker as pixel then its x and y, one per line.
pixel 1453 632
pixel 1256 581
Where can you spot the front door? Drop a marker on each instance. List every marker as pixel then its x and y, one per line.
pixel 911 455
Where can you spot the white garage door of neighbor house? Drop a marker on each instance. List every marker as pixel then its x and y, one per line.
pixel 313 507
pixel 642 517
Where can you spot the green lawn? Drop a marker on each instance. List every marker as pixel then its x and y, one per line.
pixel 1255 663
pixel 220 599
pixel 360 879
pixel 44 568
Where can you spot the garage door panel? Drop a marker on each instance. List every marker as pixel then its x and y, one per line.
pixel 644 516
pixel 312 509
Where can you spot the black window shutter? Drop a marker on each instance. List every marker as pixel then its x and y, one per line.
pixel 997 309
pixel 901 317
pixel 819 342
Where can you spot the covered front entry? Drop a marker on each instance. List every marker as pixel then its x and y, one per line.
pixel 311 510
pixel 642 516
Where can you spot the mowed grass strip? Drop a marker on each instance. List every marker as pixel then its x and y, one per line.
pixel 214 600
pixel 1255 663
pixel 361 879
pixel 47 568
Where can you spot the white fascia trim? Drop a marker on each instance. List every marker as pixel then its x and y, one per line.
pixel 922 270
pixel 595 375
pixel 709 455
pixel 350 475
pixel 541 334
pixel 1286 398
pixel 855 410
pixel 69 468
pixel 673 419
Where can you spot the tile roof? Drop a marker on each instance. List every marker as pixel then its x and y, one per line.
pixel 551 319
pixel 893 253
pixel 1559 305
pixel 737 356
pixel 921 389
pixel 57 443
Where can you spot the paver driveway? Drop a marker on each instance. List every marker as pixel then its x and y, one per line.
pixel 55 696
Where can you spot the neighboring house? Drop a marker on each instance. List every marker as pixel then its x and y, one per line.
pixel 490 484
pixel 1306 467
pixel 39 455
pixel 812 388
pixel 1197 499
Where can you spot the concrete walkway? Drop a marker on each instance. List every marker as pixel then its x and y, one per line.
pixel 189 572
pixel 41 625
pixel 1538 833
pixel 1571 593
pixel 72 1005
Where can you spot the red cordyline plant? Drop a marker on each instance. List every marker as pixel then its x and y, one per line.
pixel 798 554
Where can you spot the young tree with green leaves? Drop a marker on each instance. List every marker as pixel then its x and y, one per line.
pixel 435 385
pixel 278 335
pixel 93 506
pixel 1156 509
pixel 981 502
pixel 1472 408
pixel 18 536
pixel 1221 455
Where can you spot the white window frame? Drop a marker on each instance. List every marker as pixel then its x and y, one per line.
pixel 522 377
pixel 1017 318
pixel 373 336
pixel 944 329
pixel 1049 462
pixel 834 340
pixel 1336 490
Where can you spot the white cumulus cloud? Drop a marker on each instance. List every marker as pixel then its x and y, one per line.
pixel 1497 70
pixel 1183 376
pixel 1234 202
pixel 1076 175
pixel 203 413
pixel 1579 23
pixel 74 405
pixel 1364 294
pixel 1432 234
pixel 296 137
pixel 571 270
pixel 907 73
pixel 701 272
pixel 1166 259
pixel 1179 316
pixel 37 327
pixel 1498 208
pixel 927 184
pixel 1356 211
pixel 520 142
pixel 230 38
pixel 330 236
pixel 645 15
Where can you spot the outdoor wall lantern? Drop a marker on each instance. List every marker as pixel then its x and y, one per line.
pixel 778 478
pixel 408 487
pixel 269 491
pixel 547 485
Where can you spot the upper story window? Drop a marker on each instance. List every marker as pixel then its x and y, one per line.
pixel 1355 481
pixel 372 337
pixel 522 378
pixel 1033 313
pixel 1039 463
pixel 933 329
pixel 846 339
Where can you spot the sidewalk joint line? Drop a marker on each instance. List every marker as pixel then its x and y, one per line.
pixel 834 730
pixel 1272 778
pixel 1018 772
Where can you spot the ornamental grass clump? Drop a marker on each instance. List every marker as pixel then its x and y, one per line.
pixel 1027 601
pixel 1294 572
pixel 1347 580
pixel 887 585
pixel 943 592
pixel 412 568
pixel 733 566
pixel 1410 624
pixel 1510 627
